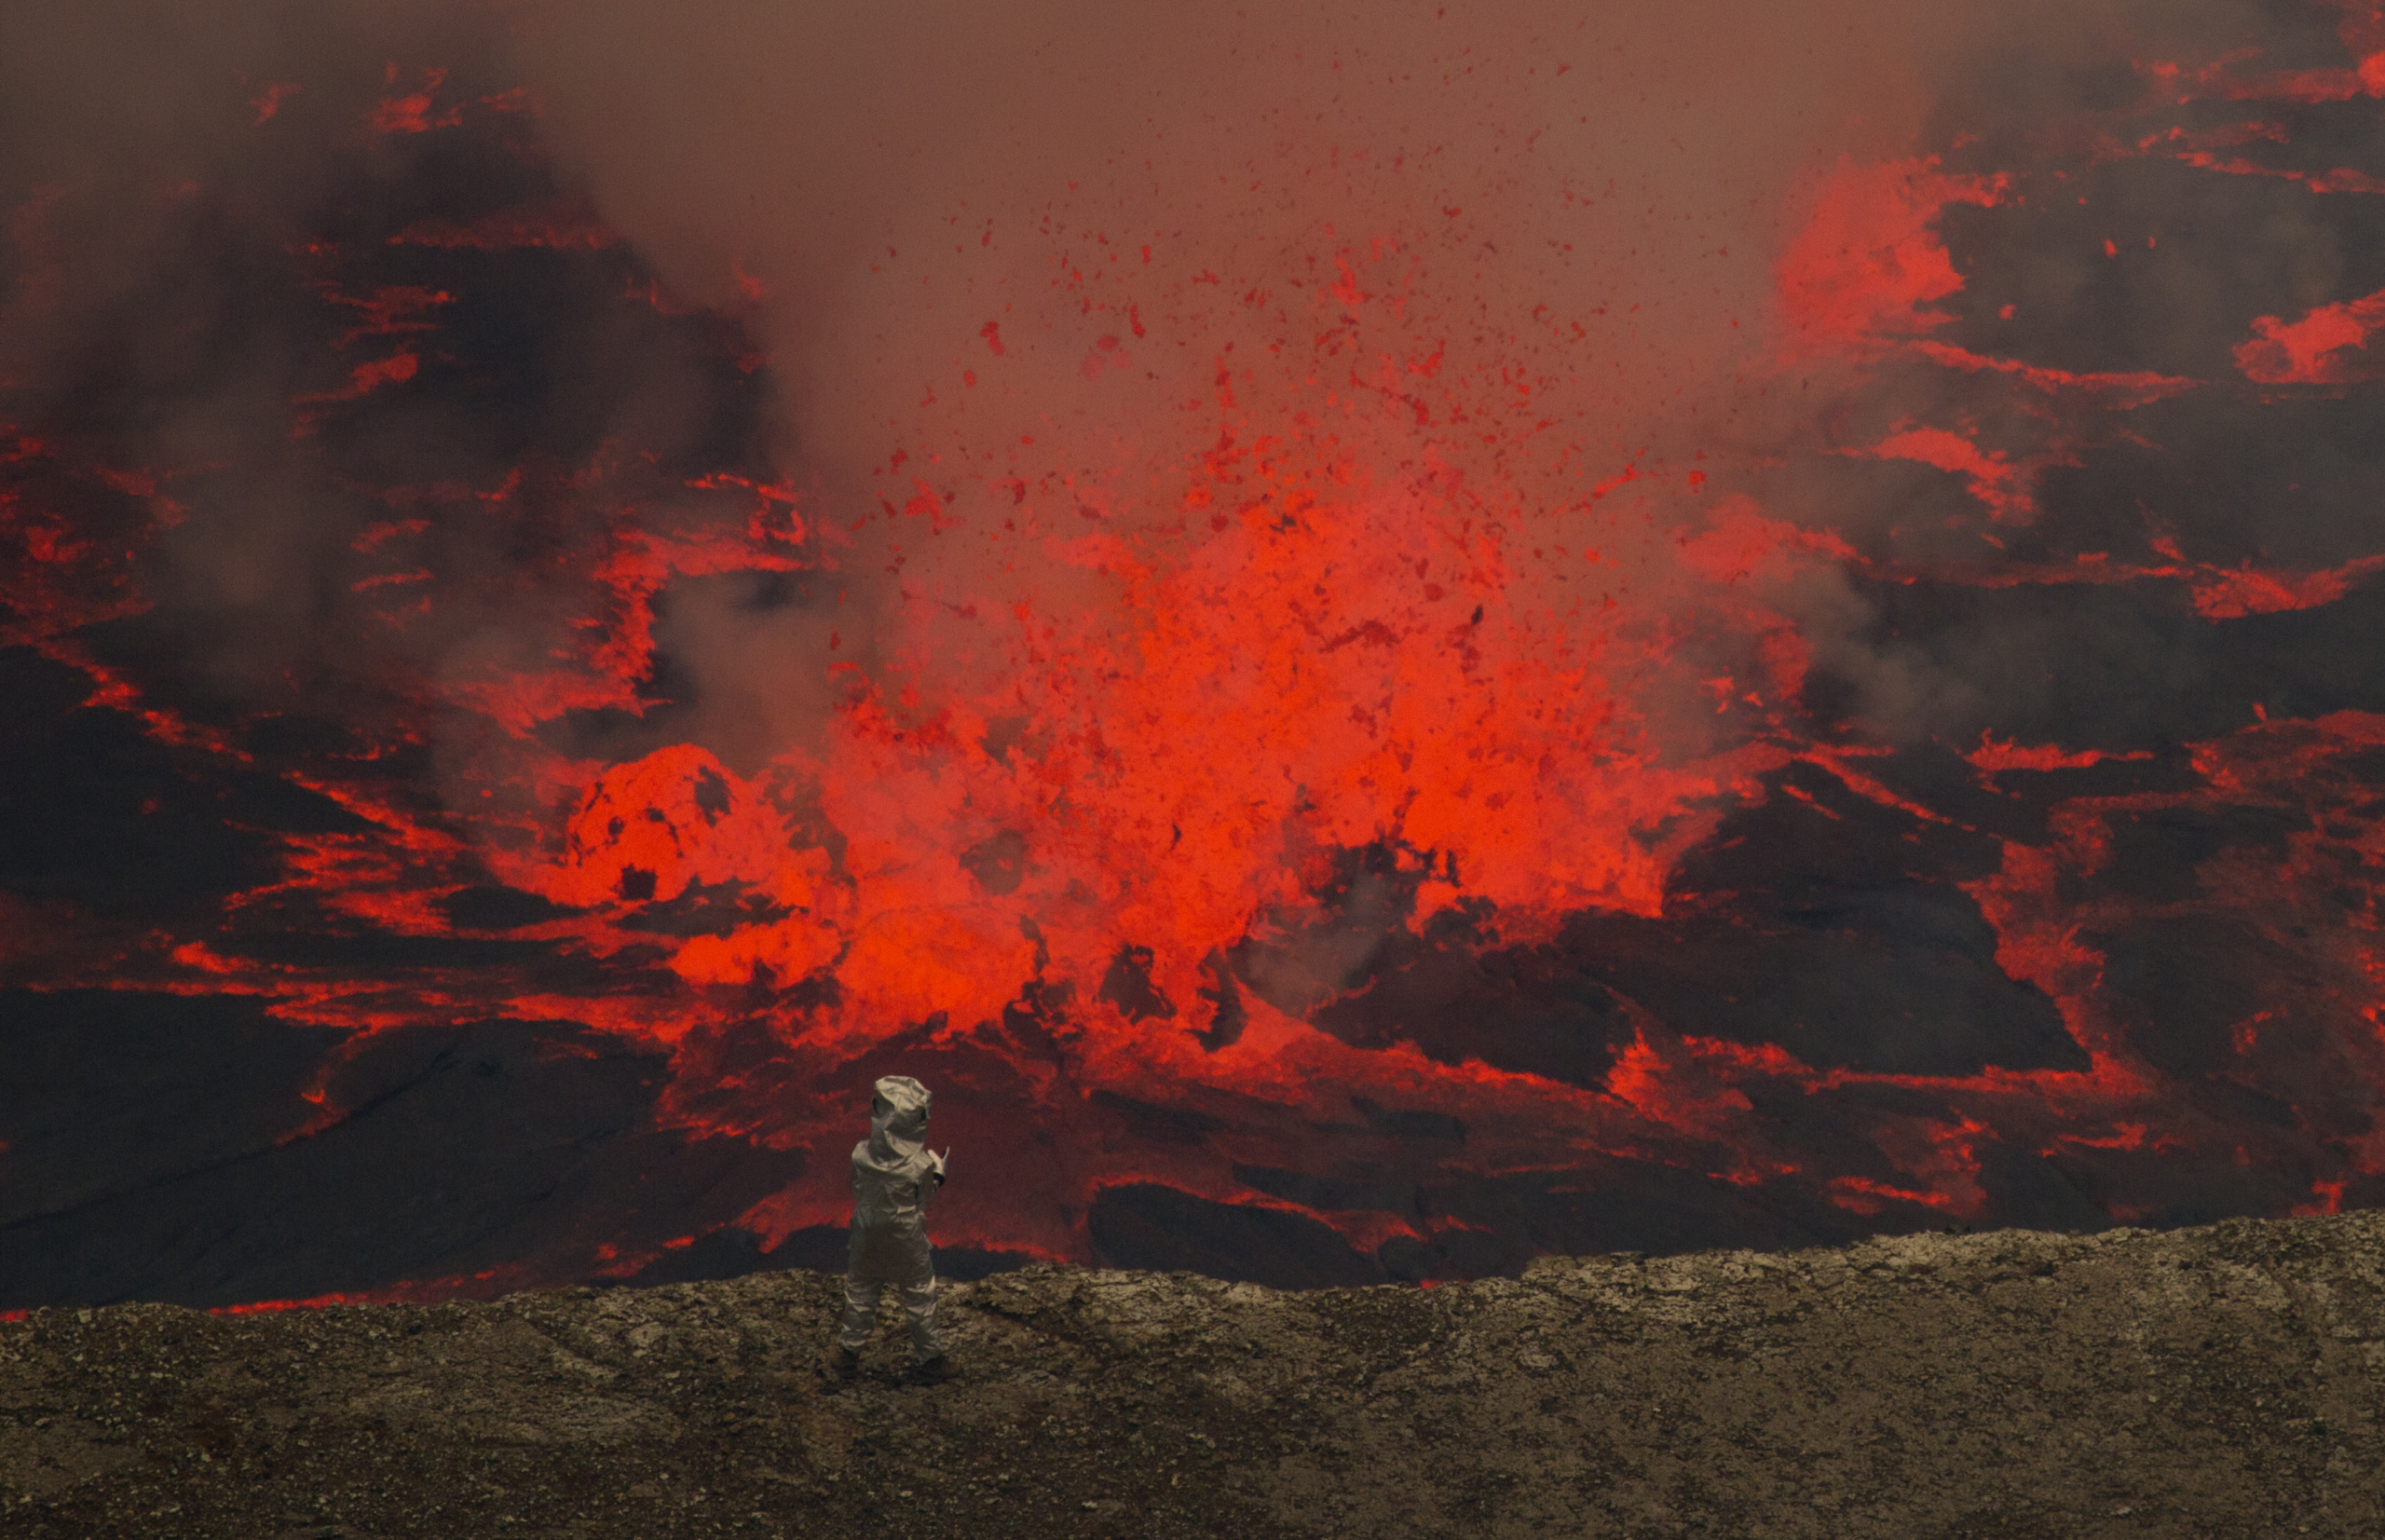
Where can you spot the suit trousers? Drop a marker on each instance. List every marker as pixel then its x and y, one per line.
pixel 918 1306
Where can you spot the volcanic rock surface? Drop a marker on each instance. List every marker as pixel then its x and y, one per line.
pixel 2223 1381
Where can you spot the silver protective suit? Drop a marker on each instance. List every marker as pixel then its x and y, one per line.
pixel 894 1175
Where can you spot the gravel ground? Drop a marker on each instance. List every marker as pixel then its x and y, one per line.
pixel 2217 1381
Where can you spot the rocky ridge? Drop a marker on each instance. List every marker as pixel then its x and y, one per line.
pixel 2225 1381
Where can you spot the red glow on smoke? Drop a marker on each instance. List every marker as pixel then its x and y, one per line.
pixel 1993 480
pixel 2225 595
pixel 1868 260
pixel 396 369
pixel 269 100
pixel 1992 757
pixel 413 113
pixel 2121 391
pixel 2326 347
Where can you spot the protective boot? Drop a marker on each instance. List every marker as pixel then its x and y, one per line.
pixel 841 1361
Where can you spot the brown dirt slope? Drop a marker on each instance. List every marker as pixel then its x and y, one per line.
pixel 2217 1381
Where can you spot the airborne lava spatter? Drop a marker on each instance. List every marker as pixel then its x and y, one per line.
pixel 1317 802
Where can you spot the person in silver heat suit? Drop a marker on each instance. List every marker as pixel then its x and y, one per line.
pixel 894 1175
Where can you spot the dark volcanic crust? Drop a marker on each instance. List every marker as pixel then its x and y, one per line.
pixel 2217 1381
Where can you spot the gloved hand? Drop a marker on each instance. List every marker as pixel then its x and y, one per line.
pixel 939 1165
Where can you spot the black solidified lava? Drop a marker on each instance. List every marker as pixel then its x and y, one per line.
pixel 158 1151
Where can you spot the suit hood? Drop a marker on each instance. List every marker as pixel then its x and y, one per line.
pixel 898 1122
